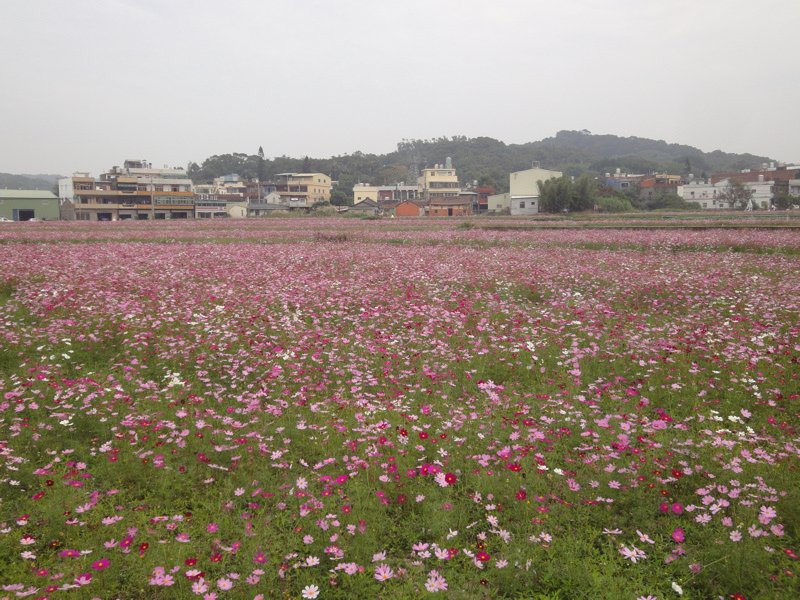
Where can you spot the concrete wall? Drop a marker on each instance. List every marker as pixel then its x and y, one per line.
pixel 524 205
pixel 499 202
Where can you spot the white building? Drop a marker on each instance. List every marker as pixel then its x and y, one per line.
pixel 710 196
pixel 524 189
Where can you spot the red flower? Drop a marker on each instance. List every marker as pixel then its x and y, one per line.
pixel 450 478
pixel 521 495
pixel 483 556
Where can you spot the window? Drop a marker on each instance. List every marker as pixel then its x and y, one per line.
pixel 522 205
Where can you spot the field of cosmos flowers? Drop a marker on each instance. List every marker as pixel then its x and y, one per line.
pixel 343 408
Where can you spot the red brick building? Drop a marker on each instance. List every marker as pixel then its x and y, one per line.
pixel 458 206
pixel 409 209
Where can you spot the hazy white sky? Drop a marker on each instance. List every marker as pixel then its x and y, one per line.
pixel 85 84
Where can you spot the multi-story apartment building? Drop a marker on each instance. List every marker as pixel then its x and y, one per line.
pixel 713 195
pixel 303 190
pixel 439 182
pixel 134 191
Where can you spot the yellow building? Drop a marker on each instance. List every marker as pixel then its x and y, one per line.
pixel 439 182
pixel 364 191
pixel 303 190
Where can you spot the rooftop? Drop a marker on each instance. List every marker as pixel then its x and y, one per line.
pixel 28 194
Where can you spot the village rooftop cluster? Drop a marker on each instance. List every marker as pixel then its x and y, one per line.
pixel 138 191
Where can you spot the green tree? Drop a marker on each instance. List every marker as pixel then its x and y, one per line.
pixel 584 194
pixel 340 197
pixel 784 201
pixel 261 167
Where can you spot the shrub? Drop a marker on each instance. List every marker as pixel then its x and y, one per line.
pixel 614 204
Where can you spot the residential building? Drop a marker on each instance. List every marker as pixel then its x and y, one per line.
pixel 458 206
pixel 303 190
pixel 658 184
pixel 767 172
pixel 623 182
pixel 366 207
pixel 789 187
pixel 524 189
pixel 268 205
pixel 211 206
pixel 225 197
pixel 364 191
pixel 26 205
pixel 134 191
pixel 439 182
pixel 257 191
pixel 397 192
pixel 712 195
pixel 705 193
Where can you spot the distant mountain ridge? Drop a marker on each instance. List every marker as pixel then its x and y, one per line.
pixel 489 161
pixel 482 159
pixel 13 181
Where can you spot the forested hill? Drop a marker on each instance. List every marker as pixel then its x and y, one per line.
pixel 489 161
pixel 28 182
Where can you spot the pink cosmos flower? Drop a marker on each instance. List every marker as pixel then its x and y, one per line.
pixel 101 564
pixel 435 583
pixel 310 592
pixel 383 572
pixel 224 584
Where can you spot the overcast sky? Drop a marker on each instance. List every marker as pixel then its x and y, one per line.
pixel 85 84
